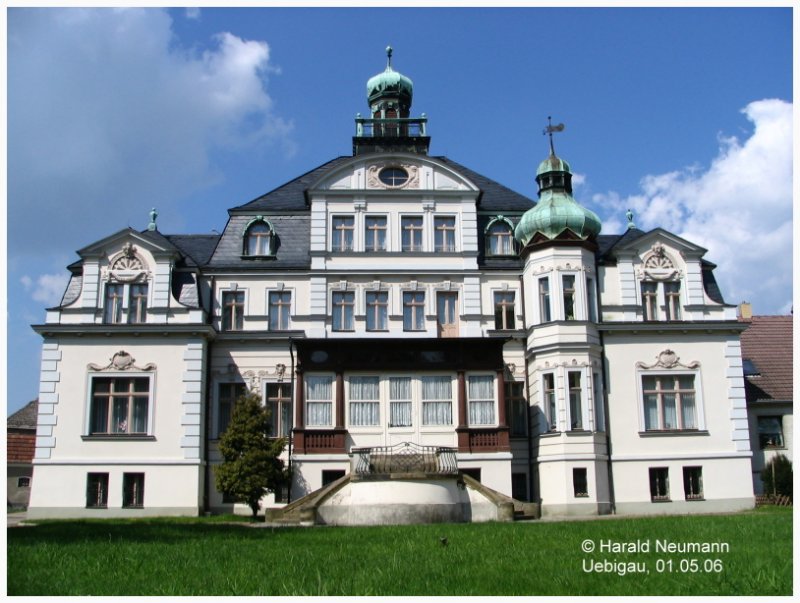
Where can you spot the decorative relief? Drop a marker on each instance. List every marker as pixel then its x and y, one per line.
pixel 127 266
pixel 374 182
pixel 668 360
pixel 121 361
pixel 658 265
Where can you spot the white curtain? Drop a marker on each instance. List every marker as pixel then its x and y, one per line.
pixel 670 412
pixel 650 411
pixel 687 410
pixel 400 401
pixel 364 405
pixel 437 401
pixel 319 400
pixel 481 400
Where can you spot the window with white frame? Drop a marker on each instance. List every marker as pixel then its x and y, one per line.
pixel 568 290
pixel 661 300
pixel 414 311
pixel 280 303
pixel 669 402
pixel 259 239
pixel 480 399
pixel 342 235
pixel 499 238
pixel 377 310
pixel 342 306
pixel 549 401
pixel 672 300
pixel 97 490
pixel 132 490
pixel 365 401
pixel 545 311
pixel 504 310
pixel 319 400
pixel 112 311
pixel 279 403
pixel 119 405
pixel 375 233
pixel 411 233
pixel 649 300
pixel 437 400
pixel 400 396
pixel 227 395
pixel 232 310
pixel 137 303
pixel 575 399
pixel 444 233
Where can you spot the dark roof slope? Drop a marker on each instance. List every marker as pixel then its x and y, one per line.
pixel 25 417
pixel 767 343
pixel 199 248
pixel 495 196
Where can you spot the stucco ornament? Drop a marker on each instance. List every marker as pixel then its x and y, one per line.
pixel 121 361
pixel 668 360
pixel 658 265
pixel 127 266
pixel 373 181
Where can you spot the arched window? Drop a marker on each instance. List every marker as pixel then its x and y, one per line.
pixel 259 238
pixel 499 237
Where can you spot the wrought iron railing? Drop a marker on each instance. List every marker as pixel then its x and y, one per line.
pixel 391 127
pixel 406 457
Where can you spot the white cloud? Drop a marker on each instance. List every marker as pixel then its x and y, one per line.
pixel 47 289
pixel 108 116
pixel 740 208
pixel 192 12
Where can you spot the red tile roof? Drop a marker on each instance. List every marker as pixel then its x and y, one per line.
pixel 767 342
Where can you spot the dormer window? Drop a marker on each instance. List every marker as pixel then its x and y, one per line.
pixel 259 239
pixel 499 237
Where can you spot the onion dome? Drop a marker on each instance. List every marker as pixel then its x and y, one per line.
pixel 390 84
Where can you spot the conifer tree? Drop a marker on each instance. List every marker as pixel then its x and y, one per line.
pixel 251 465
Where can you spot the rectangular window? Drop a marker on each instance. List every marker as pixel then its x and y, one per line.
pixel 504 310
pixel 400 402
pixel 112 311
pixel 599 406
pixel 659 484
pixel 447 314
pixel 342 315
pixel 500 239
pixel 375 233
pixel 693 483
pixel 672 292
pixel 591 296
pixel 228 394
pixel 669 402
pixel 544 300
pixel 517 408
pixel 232 310
pixel 342 238
pixel 575 406
pixel 24 481
pixel 770 432
pixel 137 304
pixel 568 284
pixel 411 233
pixel 437 399
pixel 580 484
pixel 444 238
pixel 119 405
pixel 549 395
pixel 280 303
pixel 480 398
pixel 97 490
pixel 133 490
pixel 365 401
pixel 377 311
pixel 279 403
pixel 319 401
pixel 650 301
pixel 414 311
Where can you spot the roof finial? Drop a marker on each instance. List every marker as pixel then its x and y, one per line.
pixel 549 130
pixel 388 58
pixel 153 216
pixel 629 215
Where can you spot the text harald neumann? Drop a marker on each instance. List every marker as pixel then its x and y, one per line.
pixel 662 546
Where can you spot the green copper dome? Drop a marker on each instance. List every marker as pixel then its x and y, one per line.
pixel 390 82
pixel 556 211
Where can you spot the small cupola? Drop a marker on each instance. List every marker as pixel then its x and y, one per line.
pixel 389 93
pixel 557 214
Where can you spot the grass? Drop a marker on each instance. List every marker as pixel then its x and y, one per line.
pixel 202 557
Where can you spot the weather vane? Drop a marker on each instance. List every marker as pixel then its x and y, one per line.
pixel 550 129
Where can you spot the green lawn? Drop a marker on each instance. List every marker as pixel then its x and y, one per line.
pixel 200 557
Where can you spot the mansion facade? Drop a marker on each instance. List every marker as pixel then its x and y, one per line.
pixel 392 296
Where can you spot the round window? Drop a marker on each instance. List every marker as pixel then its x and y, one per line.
pixel 393 176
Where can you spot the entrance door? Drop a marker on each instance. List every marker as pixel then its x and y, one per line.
pixel 447 314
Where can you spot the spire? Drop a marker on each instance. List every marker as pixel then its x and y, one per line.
pixel 389 58
pixel 549 130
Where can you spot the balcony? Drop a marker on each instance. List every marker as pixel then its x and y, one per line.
pixel 404 458
pixel 400 133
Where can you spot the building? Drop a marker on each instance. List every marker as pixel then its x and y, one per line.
pixel 20 441
pixel 392 296
pixel 767 364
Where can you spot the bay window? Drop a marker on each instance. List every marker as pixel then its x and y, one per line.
pixel 575 404
pixel 400 402
pixel 437 401
pixel 545 313
pixel 319 401
pixel 364 401
pixel 568 290
pixel 480 399
pixel 549 400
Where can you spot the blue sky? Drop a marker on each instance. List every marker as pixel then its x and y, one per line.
pixel 683 114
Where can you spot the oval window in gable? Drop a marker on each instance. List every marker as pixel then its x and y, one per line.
pixel 393 176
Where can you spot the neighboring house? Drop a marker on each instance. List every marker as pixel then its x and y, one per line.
pixel 21 442
pixel 767 363
pixel 393 296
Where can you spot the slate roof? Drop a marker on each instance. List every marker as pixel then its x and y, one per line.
pixel 494 196
pixel 25 417
pixel 767 343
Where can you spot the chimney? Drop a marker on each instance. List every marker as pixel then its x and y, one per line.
pixel 745 311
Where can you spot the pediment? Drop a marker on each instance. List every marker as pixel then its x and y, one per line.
pixel 650 241
pixel 113 244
